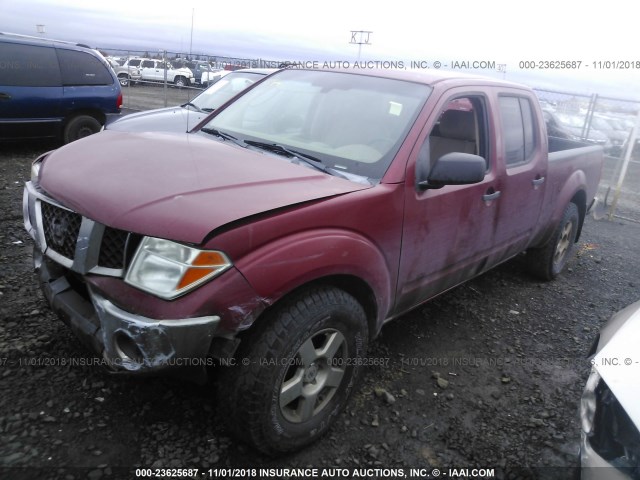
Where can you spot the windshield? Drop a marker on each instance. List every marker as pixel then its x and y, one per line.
pixel 225 88
pixel 351 123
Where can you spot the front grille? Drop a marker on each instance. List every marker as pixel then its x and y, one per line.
pixel 112 248
pixel 61 228
pixel 60 232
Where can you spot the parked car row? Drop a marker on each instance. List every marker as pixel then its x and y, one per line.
pixel 159 71
pixel 610 132
pixel 135 69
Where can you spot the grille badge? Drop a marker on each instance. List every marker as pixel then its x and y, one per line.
pixel 59 227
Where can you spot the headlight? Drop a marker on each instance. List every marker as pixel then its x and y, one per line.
pixel 168 269
pixel 35 169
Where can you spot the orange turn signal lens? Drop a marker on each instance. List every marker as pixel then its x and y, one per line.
pixel 193 275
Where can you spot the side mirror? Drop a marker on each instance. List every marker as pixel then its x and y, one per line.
pixel 455 168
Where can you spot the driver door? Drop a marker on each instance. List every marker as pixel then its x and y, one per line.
pixel 448 233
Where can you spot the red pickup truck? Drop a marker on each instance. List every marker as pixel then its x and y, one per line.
pixel 280 234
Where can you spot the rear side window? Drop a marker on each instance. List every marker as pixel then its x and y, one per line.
pixel 80 68
pixel 518 129
pixel 28 66
pixel 148 64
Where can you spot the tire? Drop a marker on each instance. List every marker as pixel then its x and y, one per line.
pixel 547 262
pixel 180 82
pixel 124 80
pixel 80 126
pixel 294 374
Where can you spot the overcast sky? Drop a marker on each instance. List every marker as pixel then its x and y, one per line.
pixel 505 32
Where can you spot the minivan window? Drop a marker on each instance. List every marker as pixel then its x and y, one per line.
pixel 79 68
pixel 28 66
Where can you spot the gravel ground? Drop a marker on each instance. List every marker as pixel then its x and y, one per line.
pixel 488 375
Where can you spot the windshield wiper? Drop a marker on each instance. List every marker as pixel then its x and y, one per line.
pixel 189 104
pixel 315 162
pixel 224 136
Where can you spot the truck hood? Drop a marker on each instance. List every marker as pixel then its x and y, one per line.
pixel 177 186
pixel 171 119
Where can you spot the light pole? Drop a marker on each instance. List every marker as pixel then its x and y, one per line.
pixel 360 37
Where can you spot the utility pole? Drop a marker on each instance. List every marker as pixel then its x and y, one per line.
pixel 360 37
pixel 191 41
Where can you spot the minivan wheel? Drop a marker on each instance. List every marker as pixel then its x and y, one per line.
pixel 80 126
pixel 293 374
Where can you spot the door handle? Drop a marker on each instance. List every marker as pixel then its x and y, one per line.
pixel 5 96
pixel 536 182
pixel 491 195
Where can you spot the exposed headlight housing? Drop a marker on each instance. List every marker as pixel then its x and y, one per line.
pixel 588 402
pixel 169 269
pixel 35 168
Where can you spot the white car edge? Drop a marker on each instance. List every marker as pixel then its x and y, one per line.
pixel 610 404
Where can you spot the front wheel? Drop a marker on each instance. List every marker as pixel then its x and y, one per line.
pixel 547 262
pixel 80 126
pixel 181 82
pixel 294 374
pixel 124 80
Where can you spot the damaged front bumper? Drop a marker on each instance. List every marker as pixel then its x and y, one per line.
pixel 128 342
pixel 81 264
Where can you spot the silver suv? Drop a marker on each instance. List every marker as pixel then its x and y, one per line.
pixel 127 74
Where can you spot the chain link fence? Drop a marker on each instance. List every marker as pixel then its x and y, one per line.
pixel 607 122
pixel 156 79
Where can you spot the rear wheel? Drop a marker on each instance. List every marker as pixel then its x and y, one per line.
pixel 295 372
pixel 548 261
pixel 80 126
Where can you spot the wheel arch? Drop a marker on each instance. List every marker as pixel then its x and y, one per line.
pixel 573 191
pixel 97 114
pixel 341 259
pixel 580 200
pixel 351 284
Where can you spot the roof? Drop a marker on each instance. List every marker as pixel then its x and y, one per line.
pixel 429 77
pixel 30 39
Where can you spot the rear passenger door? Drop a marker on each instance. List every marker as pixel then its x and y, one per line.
pixel 30 91
pixel 523 156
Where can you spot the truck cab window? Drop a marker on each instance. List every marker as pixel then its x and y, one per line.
pixel 518 129
pixel 460 128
